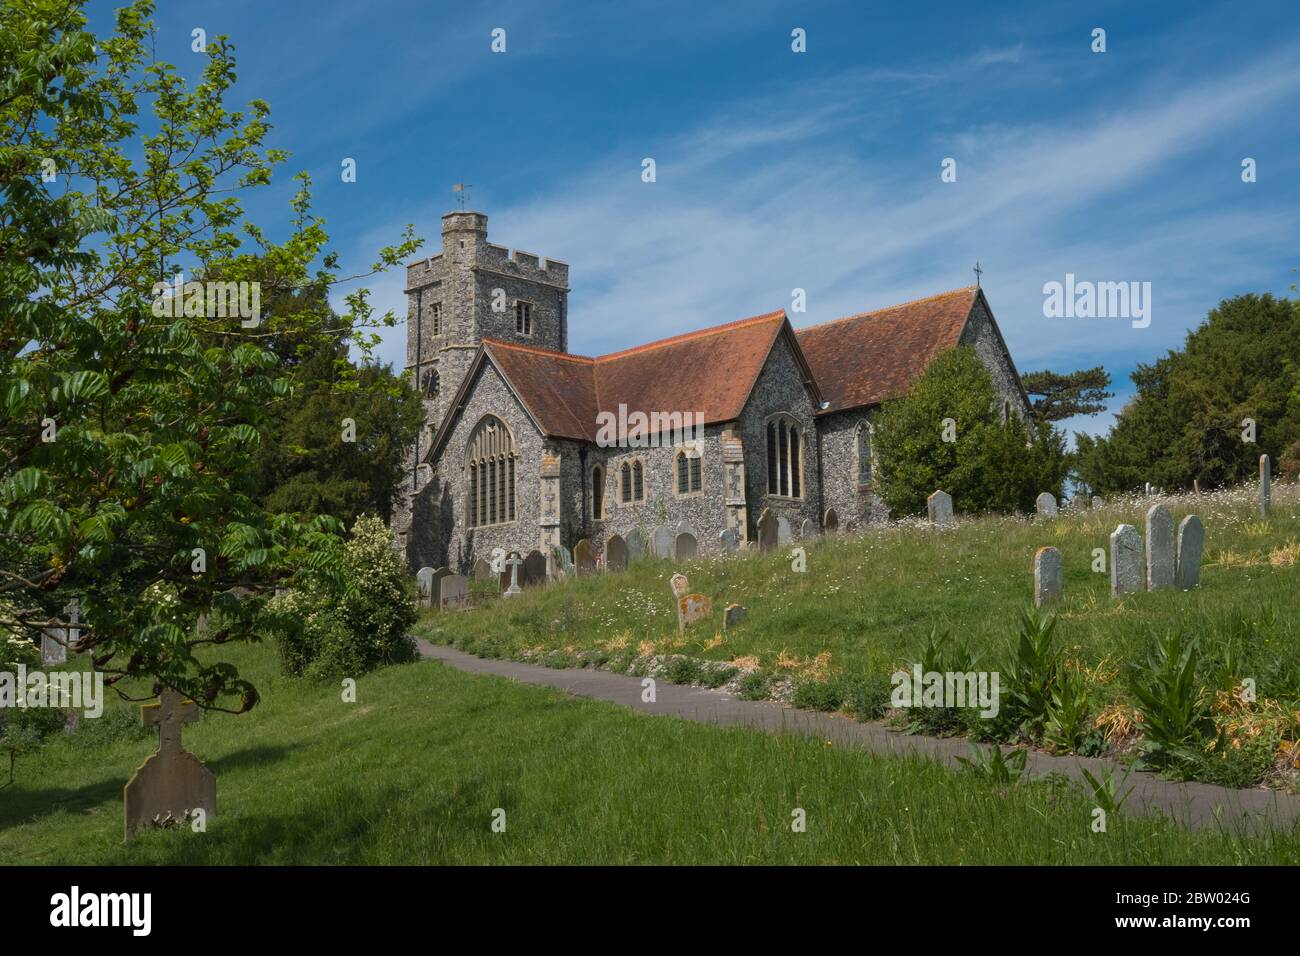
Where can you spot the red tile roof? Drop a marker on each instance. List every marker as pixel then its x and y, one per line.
pixel 864 359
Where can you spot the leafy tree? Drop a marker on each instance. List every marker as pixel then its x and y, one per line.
pixel 990 466
pixel 1188 419
pixel 1055 397
pixel 128 439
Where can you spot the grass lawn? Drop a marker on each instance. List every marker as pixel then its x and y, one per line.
pixel 413 771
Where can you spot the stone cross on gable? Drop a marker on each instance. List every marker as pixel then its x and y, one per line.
pixel 171 711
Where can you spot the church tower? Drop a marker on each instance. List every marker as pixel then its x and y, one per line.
pixel 470 291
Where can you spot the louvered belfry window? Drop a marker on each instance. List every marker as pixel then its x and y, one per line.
pixel 490 461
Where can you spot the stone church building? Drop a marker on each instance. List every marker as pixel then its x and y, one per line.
pixel 528 447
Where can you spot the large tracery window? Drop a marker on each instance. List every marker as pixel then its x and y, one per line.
pixel 784 458
pixel 490 463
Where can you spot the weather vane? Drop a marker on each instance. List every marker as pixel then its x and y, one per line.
pixel 978 272
pixel 461 188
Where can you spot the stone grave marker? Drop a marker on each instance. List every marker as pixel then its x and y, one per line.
pixel 171 784
pixel 1125 560
pixel 513 563
pixel 732 616
pixel 831 521
pixel 454 592
pixel 534 568
pixel 435 586
pixel 939 506
pixel 807 529
pixel 730 539
pixel 584 557
pixel 1045 505
pixel 482 570
pixel 1191 544
pixel 1097 502
pixel 690 607
pixel 1047 576
pixel 661 542
pixel 424 578
pixel 685 546
pixel 783 533
pixel 1160 548
pixel 767 530
pixel 55 641
pixel 615 554
pixel 1265 487
pixel 635 546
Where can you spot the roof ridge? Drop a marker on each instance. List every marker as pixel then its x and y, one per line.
pixel 888 308
pixel 694 334
pixel 538 350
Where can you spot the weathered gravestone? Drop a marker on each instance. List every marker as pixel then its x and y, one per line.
pixel 661 542
pixel 635 546
pixel 435 585
pixel 690 607
pixel 1160 548
pixel 453 592
pixel 1265 487
pixel 584 557
pixel 510 577
pixel 534 569
pixel 939 506
pixel 783 533
pixel 1045 505
pixel 831 521
pixel 730 539
pixel 482 570
pixel 685 546
pixel 55 641
pixel 1097 501
pixel 615 554
pixel 424 580
pixel 172 784
pixel 807 529
pixel 1125 560
pixel 732 616
pixel 767 530
pixel 1047 576
pixel 1191 543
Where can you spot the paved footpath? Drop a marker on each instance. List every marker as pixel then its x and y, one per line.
pixel 1197 805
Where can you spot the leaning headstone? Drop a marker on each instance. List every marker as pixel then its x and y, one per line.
pixel 635 546
pixel 454 592
pixel 939 506
pixel 534 569
pixel 732 616
pixel 831 521
pixel 1265 487
pixel 584 557
pixel 1047 576
pixel 730 539
pixel 661 542
pixel 1160 548
pixel 767 530
pixel 482 570
pixel 1045 505
pixel 685 546
pixel 807 529
pixel 690 607
pixel 1125 560
pixel 783 533
pixel 172 784
pixel 1191 543
pixel 615 554
pixel 424 579
pixel 680 584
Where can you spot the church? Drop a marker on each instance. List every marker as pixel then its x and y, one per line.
pixel 527 447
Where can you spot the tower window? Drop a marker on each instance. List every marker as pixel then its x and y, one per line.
pixel 523 317
pixel 429 382
pixel 435 313
pixel 784 464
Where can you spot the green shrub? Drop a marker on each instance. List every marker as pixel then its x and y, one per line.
pixel 866 698
pixel 755 685
pixel 1241 766
pixel 816 695
pixel 1030 675
pixel 717 676
pixel 1175 709
pixel 681 670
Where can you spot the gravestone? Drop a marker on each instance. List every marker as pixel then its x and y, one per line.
pixel 732 616
pixel 1148 489
pixel 635 546
pixel 1191 543
pixel 783 533
pixel 615 554
pixel 534 569
pixel 690 607
pixel 831 521
pixel 661 542
pixel 807 529
pixel 685 546
pixel 1045 505
pixel 1196 486
pixel 680 584
pixel 1047 576
pixel 55 641
pixel 767 530
pixel 730 539
pixel 939 506
pixel 1097 501
pixel 424 579
pixel 435 585
pixel 1125 560
pixel 584 557
pixel 171 784
pixel 1265 487
pixel 513 563
pixel 482 570
pixel 453 592
pixel 1160 548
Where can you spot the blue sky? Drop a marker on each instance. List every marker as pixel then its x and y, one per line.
pixel 778 170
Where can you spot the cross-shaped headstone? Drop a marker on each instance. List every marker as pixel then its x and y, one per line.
pixel 171 711
pixel 514 561
pixel 172 785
